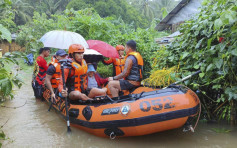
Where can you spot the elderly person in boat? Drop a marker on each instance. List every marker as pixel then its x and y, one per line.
pixel 94 80
pixel 132 74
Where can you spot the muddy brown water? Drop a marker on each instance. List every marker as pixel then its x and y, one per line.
pixel 31 125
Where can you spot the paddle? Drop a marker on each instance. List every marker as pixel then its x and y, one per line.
pixel 185 78
pixel 66 99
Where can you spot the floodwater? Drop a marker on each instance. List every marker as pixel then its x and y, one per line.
pixel 27 123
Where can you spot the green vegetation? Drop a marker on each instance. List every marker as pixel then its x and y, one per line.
pixel 2 136
pixel 221 130
pixel 200 47
pixel 112 8
pixel 91 26
pixel 153 9
pixel 8 78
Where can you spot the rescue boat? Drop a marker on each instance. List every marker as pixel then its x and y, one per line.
pixel 144 111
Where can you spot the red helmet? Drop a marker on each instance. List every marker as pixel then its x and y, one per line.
pixel 76 48
pixel 119 47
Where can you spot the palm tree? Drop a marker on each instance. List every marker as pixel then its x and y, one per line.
pixel 21 10
pixel 144 6
pixel 153 8
pixel 146 9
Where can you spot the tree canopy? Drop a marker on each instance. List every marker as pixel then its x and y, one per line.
pixel 114 8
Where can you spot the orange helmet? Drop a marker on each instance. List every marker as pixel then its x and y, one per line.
pixel 119 47
pixel 76 48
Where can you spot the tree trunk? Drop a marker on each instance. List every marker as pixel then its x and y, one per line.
pixel 232 113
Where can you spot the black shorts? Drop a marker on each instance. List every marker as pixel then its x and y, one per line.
pixel 125 85
pixel 87 91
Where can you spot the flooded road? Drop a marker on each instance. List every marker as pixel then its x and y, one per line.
pixel 30 124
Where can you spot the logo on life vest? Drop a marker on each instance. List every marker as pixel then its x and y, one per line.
pixel 125 110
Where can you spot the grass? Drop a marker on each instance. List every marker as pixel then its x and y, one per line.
pixel 221 130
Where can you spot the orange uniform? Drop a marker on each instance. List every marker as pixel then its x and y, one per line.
pixel 118 65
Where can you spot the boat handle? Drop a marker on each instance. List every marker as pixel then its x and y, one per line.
pixel 112 136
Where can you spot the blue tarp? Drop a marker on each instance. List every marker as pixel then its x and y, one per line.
pixel 30 58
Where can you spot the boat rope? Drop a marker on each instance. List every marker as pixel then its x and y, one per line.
pixel 4 124
pixel 13 107
pixel 200 109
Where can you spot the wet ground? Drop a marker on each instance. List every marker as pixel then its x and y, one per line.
pixel 27 123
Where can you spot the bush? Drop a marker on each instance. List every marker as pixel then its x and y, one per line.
pixel 208 43
pixel 105 70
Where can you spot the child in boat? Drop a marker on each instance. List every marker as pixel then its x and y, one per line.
pixel 39 72
pixel 132 74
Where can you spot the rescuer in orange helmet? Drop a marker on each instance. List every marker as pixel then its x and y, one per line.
pixel 118 63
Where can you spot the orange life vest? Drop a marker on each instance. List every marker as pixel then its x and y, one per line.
pixel 80 82
pixel 53 59
pixel 57 75
pixel 118 64
pixel 136 71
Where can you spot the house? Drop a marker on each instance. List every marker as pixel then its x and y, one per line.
pixel 182 12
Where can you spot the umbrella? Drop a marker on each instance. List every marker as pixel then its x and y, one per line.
pixel 103 48
pixel 62 39
pixel 92 56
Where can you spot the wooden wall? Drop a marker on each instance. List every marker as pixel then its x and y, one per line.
pixel 9 47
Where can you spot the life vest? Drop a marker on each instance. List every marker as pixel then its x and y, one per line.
pixel 80 80
pixel 53 59
pixel 57 75
pixel 136 70
pixel 119 65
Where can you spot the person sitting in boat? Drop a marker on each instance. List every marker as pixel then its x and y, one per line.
pixel 118 63
pixel 94 80
pixel 54 74
pixel 77 81
pixel 132 74
pixel 39 72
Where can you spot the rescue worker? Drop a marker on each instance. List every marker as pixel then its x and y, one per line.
pixel 118 63
pixel 54 74
pixel 77 81
pixel 39 72
pixel 132 72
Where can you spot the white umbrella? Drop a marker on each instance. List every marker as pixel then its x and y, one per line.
pixel 62 39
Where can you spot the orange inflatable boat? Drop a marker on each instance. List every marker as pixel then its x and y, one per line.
pixel 142 112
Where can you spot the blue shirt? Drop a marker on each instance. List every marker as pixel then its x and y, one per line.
pixel 92 82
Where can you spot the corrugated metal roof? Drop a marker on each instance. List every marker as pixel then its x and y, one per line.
pixel 162 25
